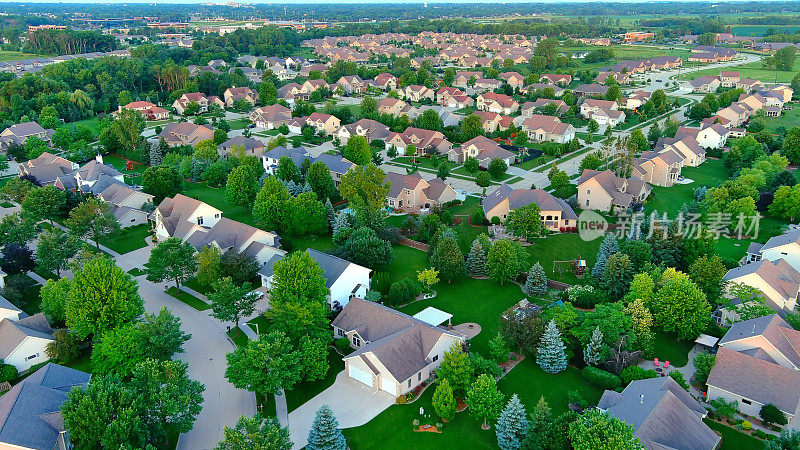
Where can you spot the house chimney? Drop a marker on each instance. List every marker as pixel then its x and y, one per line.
pixel 641 398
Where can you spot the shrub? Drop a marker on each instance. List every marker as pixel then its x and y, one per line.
pixel 600 378
pixel 771 414
pixel 343 345
pixel 576 398
pixel 447 217
pixel 7 372
pixel 760 434
pixel 403 291
pixel 584 296
pixel 746 425
pixel 633 373
pixel 477 217
pixel 495 220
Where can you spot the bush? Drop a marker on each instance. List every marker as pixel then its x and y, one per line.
pixel 446 217
pixel 381 282
pixel 771 414
pixel 576 398
pixel 403 291
pixel 679 378
pixel 7 372
pixel 343 345
pixel 760 434
pixel 477 217
pixel 600 378
pixel 703 362
pixel 495 220
pixel 746 425
pixel 585 296
pixel 633 373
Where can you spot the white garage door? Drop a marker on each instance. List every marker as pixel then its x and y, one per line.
pixel 361 376
pixel 389 385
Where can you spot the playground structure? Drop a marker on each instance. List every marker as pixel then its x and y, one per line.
pixel 578 266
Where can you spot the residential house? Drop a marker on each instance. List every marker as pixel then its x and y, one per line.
pixel 416 93
pixel 604 191
pixel 758 364
pixel 234 94
pixel 493 121
pixel 555 78
pixel 311 86
pixel 270 116
pixel 203 102
pixel 448 118
pixel 147 109
pixel 635 99
pixel 486 84
pixel 345 280
pixel 30 413
pixel 542 128
pixel 9 311
pixel 620 78
pixel 544 88
pixel 237 144
pixel 19 133
pixel 687 146
pixel 514 79
pixel 555 213
pixel 785 247
pixel 663 415
pixel 777 280
pixel 47 168
pixel 337 165
pixel 453 98
pixel 729 78
pixel 325 123
pixel 201 225
pixel 395 107
pixel 528 109
pixel 590 106
pixel 412 193
pixel 712 136
pixel 590 90
pixel 291 92
pixel 24 341
pixel 368 128
pixel 421 139
pixel 386 81
pixel 352 84
pixel 394 352
pixel 185 133
pixel 483 149
pixel 463 78
pixel 660 169
pixel 705 84
pixel 496 103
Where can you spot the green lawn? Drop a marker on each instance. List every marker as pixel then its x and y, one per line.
pixel 753 70
pixel 128 239
pixel 13 56
pixel 733 439
pixel 424 162
pixel 91 122
pixel 563 247
pixel 192 283
pixel 82 362
pixel 466 234
pixel 463 172
pixel 238 124
pixel 536 162
pixel 305 391
pixel 216 198
pixel 133 176
pixel 467 207
pixel 788 119
pixel 671 199
pixel 189 299
pixel 301 243
pixel 667 348
pixel 238 337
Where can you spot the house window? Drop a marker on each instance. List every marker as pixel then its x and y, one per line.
pixel 435 358
pixel 419 376
pixel 409 382
pixel 340 332
pixel 356 341
pixel 200 220
pixel 28 358
pixel 587 202
pixel 746 401
pixel 588 191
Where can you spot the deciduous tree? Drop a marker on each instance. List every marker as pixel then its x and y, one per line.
pixel 484 400
pixel 172 259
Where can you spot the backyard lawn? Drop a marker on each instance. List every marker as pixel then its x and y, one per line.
pixel 563 247
pixel 752 70
pixel 305 391
pixel 92 123
pixel 133 176
pixel 790 118
pixel 670 199
pixel 128 239
pixel 733 439
pixel 216 198
pixel 667 348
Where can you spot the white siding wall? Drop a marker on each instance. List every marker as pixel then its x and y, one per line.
pixel 29 347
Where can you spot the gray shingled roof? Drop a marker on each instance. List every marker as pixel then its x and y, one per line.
pixel 13 332
pixel 30 411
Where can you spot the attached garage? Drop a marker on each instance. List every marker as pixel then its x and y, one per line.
pixel 388 385
pixel 360 375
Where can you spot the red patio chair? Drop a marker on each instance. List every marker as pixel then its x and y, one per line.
pixel 666 364
pixel 655 362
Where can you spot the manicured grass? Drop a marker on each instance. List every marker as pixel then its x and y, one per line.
pixel 406 262
pixel 189 299
pixel 238 124
pixel 536 162
pixel 668 348
pixel 466 234
pixel 238 337
pixel 128 239
pixel 670 199
pixel 467 207
pixel 301 243
pixel 6 55
pixel 563 247
pixel 133 176
pixel 462 171
pixel 753 70
pixel 137 272
pixel 424 162
pixel 192 283
pixel 216 198
pixel 788 119
pixel 31 301
pixel 733 439
pixel 82 362
pixel 305 391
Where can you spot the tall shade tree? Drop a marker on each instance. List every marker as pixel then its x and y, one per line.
pixel 101 297
pixel 230 302
pixel 299 279
pixel 595 429
pixel 321 182
pixel 456 368
pixel 512 425
pixel 681 308
pixel 256 433
pixel 365 187
pixel 162 181
pixel 92 219
pixel 54 249
pixel 16 230
pixel 173 260
pixel 271 206
pixel 44 203
pixel 325 433
pixel 484 400
pixel 503 261
pixel 264 366
pixel 525 222
pixel 55 294
pixel 208 265
pixel 242 186
pixel 448 259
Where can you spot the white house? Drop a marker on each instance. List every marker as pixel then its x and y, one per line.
pixel 394 352
pixel 785 246
pixel 23 341
pixel 179 214
pixel 8 310
pixel 343 279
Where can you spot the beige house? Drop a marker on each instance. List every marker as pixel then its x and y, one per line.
pixel 47 168
pixel 604 191
pixel 554 78
pixel 660 169
pixel 394 107
pixel 185 133
pixel 463 78
pixel 514 79
pixel 496 103
pixel 421 139
pixel 777 280
pixel 416 93
pixel 239 93
pixel 202 100
pixel 556 214
pixel 324 122
pixel 483 149
pixel 590 106
pixel 394 352
pixel 712 136
pixel 386 81
pixel 411 192
pixel 453 98
pixel 705 84
pixel 542 128
pixel 370 129
pixel 19 133
pixel 688 147
pixel 270 116
pixel 757 364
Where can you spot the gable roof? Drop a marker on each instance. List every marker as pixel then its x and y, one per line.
pixel 13 332
pixel 399 341
pixel 779 275
pixel 518 198
pixel 30 415
pixel 332 267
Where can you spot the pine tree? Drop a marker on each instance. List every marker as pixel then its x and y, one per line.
pixel 325 433
pixel 443 401
pixel 607 248
pixel 330 214
pixel 512 425
pixel 536 284
pixel 550 356
pixel 341 221
pixel 476 260
pixel 591 355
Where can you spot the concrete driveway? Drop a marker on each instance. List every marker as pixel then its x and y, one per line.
pixel 353 403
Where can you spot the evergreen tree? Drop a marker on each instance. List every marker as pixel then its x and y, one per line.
pixel 607 248
pixel 476 260
pixel 325 433
pixel 330 214
pixel 591 355
pixel 550 356
pixel 512 425
pixel 536 284
pixel 448 259
pixel 343 220
pixel 443 401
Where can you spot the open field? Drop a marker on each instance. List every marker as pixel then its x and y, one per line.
pixel 11 56
pixel 752 70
